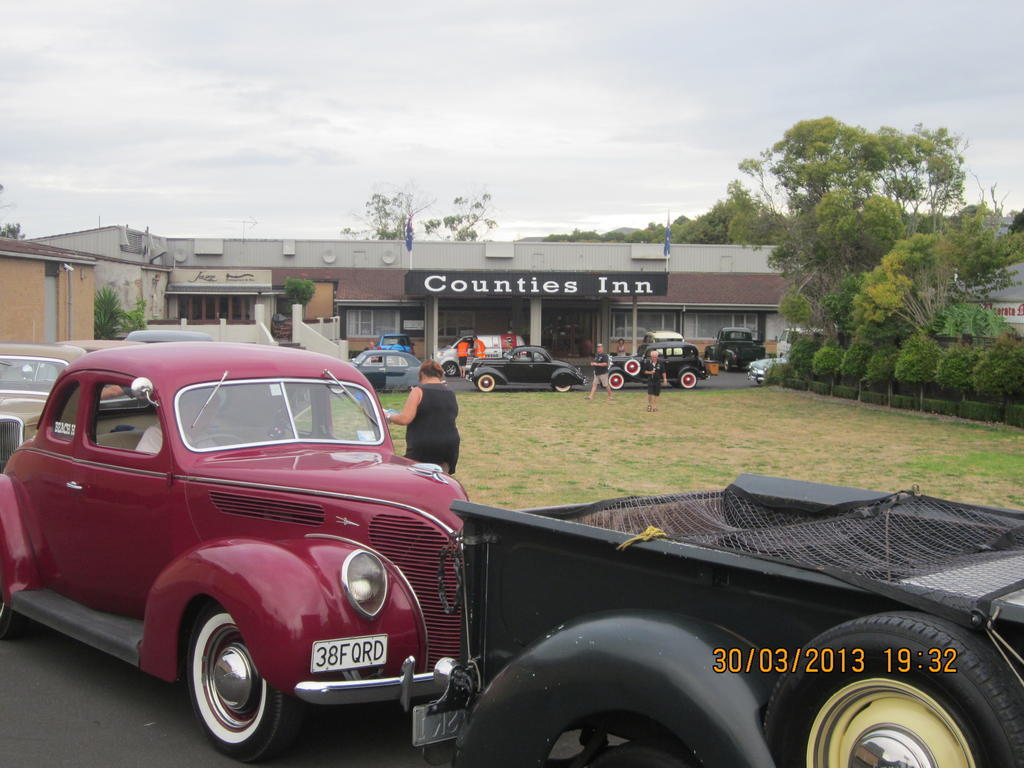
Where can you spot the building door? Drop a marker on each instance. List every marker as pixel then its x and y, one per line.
pixel 50 303
pixel 568 332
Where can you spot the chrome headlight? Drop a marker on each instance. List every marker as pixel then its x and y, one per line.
pixel 365 581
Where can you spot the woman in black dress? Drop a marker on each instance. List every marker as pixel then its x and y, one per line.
pixel 654 369
pixel 430 412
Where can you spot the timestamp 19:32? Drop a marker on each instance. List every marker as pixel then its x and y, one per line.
pixel 831 660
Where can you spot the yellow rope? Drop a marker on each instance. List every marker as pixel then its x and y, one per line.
pixel 650 533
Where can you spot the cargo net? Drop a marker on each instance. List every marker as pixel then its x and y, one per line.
pixel 914 548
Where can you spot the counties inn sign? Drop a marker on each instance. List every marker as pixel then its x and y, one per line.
pixel 536 284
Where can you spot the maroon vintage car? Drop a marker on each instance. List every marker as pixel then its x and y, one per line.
pixel 233 514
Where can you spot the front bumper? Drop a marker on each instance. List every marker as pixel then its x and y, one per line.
pixel 407 686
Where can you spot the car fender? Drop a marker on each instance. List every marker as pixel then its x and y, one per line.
pixel 17 562
pixel 499 377
pixel 654 664
pixel 283 596
pixel 560 377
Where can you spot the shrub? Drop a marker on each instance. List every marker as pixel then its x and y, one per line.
pixel 299 290
pixel 819 387
pixel 855 361
pixel 968 409
pixel 956 365
pixel 946 407
pixel 1000 368
pixel 849 393
pixel 777 375
pixel 801 356
pixel 1015 415
pixel 908 402
pixel 797 383
pixel 827 360
pixel 874 398
pixel 134 319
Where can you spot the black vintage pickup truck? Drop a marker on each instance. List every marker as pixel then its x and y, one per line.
pixel 772 623
pixel 734 349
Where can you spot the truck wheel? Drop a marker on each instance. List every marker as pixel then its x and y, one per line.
pixel 616 381
pixel 243 715
pixel 638 754
pixel 726 364
pixel 485 383
pixel 450 368
pixel 967 718
pixel 687 380
pixel 12 625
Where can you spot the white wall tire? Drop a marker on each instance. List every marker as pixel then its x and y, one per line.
pixel 486 383
pixel 632 367
pixel 561 387
pixel 687 380
pixel 242 714
pixel 616 381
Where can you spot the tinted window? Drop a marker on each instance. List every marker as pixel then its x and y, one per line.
pixel 63 427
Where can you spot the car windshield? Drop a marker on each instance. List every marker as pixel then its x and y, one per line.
pixel 214 416
pixel 29 374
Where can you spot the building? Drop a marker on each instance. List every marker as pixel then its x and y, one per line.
pixel 565 296
pixel 46 293
pixel 1009 302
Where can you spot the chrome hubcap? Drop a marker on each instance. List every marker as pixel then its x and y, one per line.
pixel 233 677
pixel 891 747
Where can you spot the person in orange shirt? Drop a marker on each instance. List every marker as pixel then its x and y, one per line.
pixel 462 350
pixel 479 348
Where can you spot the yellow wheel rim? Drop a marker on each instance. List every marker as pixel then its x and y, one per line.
pixel 879 721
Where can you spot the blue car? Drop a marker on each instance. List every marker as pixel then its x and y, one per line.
pixel 388 368
pixel 398 341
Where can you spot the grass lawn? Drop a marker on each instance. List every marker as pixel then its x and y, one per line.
pixel 532 449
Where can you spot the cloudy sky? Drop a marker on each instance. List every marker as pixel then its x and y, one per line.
pixel 193 117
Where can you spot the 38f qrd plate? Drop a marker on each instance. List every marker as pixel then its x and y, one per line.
pixel 349 653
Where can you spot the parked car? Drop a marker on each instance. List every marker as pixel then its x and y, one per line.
pixel 234 514
pixel 27 373
pixel 773 623
pixel 160 335
pixel 525 365
pixel 388 369
pixel 396 341
pixel 683 365
pixel 734 349
pixel 758 369
pixel 495 345
pixel 653 337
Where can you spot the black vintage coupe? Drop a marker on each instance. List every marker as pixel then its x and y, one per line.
pixel 682 365
pixel 525 365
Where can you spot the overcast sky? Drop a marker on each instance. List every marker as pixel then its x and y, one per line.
pixel 191 117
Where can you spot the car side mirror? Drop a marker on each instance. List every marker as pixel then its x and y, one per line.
pixel 142 389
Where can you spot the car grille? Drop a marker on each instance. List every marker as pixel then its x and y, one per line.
pixel 11 432
pixel 415 547
pixel 268 509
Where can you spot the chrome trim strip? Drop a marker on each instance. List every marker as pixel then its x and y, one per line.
pixel 121 468
pixel 401 574
pixel 314 492
pixel 362 691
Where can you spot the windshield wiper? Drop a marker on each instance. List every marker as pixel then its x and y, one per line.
pixel 208 401
pixel 368 411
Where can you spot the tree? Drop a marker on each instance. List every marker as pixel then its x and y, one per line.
pixel 881 366
pixel 917 361
pixel 801 356
pixel 387 214
pixel 107 314
pixel 12 230
pixel 134 319
pixel 299 290
pixel 855 362
pixel 956 367
pixel 828 361
pixel 1000 368
pixel 470 215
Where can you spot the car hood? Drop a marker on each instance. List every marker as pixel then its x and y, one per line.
pixel 25 407
pixel 362 473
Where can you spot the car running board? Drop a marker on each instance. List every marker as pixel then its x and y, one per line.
pixel 116 635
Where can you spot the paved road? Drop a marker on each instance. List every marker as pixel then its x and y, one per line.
pixel 65 704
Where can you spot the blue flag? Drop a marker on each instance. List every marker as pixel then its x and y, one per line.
pixel 668 240
pixel 408 235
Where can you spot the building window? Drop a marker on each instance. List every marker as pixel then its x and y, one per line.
pixel 210 309
pixel 622 322
pixel 456 324
pixel 705 325
pixel 371 322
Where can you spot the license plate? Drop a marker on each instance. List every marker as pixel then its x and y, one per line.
pixel 430 727
pixel 349 653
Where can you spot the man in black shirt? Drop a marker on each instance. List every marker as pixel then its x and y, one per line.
pixel 600 367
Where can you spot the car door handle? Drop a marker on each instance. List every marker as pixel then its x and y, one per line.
pixel 74 486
